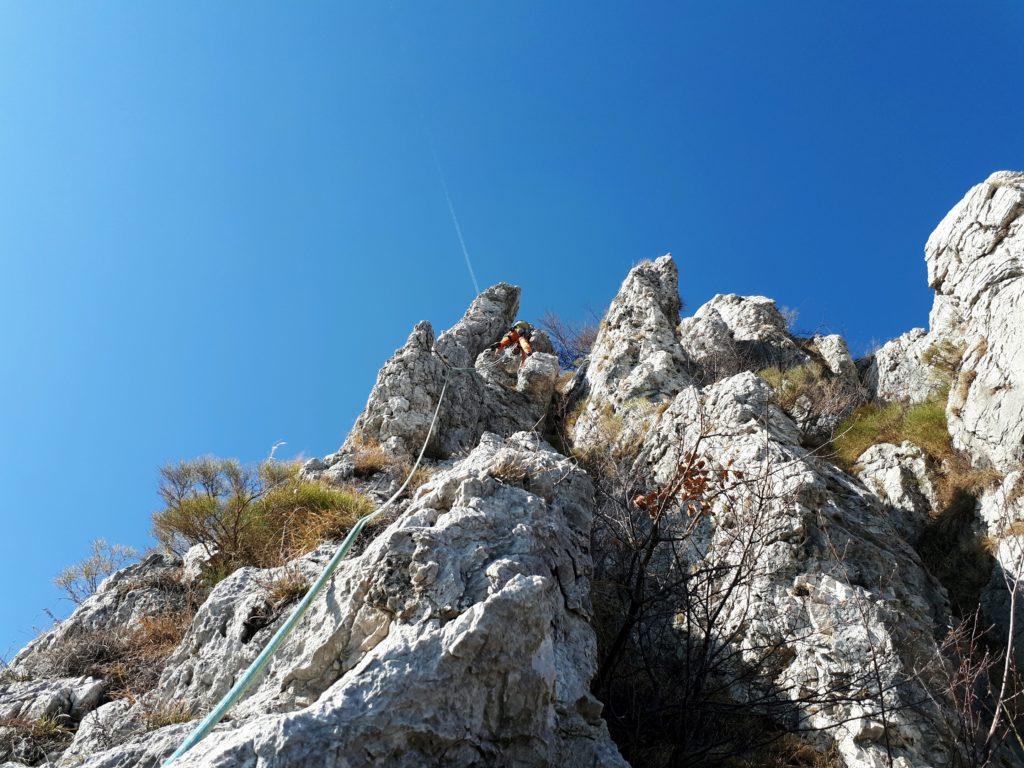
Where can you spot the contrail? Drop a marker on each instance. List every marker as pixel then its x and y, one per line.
pixel 451 210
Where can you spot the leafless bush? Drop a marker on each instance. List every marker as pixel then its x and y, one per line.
pixel 81 580
pixel 682 681
pixel 572 341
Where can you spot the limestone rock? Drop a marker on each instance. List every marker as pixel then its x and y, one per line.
pixel 63 699
pixel 898 475
pixel 479 398
pixel 636 359
pixel 710 347
pixel 758 329
pixel 834 353
pixel 896 371
pixel 976 267
pixel 193 561
pixel 460 634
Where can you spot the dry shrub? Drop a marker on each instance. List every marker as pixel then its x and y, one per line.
pixel 80 581
pixel 262 516
pixel 131 661
pixel 33 741
pixel 813 388
pixel 788 751
pixel 369 458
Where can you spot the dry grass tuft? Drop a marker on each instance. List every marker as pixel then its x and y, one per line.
pixel 160 716
pixel 32 741
pixel 132 661
pixel 923 424
pixel 286 588
pixel 369 457
pixel 510 468
pixel 944 358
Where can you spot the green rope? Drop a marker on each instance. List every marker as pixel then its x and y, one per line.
pixel 256 668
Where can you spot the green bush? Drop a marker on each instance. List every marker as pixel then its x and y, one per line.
pixel 261 516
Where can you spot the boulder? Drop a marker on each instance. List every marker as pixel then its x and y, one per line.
pixel 898 475
pixel 64 700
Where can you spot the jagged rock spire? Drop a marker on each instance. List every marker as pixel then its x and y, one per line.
pixel 637 354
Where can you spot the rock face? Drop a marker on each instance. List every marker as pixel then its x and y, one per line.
pixel 402 403
pixel 148 588
pixel 637 360
pixel 896 371
pixel 976 266
pixel 460 635
pixel 825 586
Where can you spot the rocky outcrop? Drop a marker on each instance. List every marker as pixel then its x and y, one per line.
pixel 149 588
pixel 636 361
pixel 733 333
pixel 896 371
pixel 402 402
pixel 976 267
pixel 898 474
pixel 461 634
pixel 835 583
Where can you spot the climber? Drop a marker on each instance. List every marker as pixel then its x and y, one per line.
pixel 520 334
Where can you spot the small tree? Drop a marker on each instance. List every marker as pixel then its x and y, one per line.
pixel 79 581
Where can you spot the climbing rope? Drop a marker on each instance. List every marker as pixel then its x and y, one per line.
pixel 256 668
pixel 252 674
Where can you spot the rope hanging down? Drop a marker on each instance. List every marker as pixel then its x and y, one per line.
pixel 256 668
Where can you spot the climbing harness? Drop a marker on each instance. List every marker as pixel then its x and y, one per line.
pixel 256 668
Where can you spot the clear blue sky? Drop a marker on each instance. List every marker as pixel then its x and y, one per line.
pixel 218 219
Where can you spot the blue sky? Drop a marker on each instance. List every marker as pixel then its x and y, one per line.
pixel 218 219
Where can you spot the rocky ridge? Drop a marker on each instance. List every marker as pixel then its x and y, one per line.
pixel 465 633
